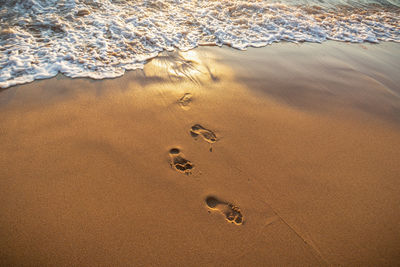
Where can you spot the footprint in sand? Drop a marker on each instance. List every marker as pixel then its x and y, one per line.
pixel 185 101
pixel 179 163
pixel 231 212
pixel 206 134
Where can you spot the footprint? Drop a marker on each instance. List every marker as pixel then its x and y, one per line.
pixel 185 101
pixel 179 163
pixel 232 213
pixel 206 134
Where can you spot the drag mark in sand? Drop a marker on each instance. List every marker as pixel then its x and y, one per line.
pixel 231 212
pixel 185 101
pixel 179 163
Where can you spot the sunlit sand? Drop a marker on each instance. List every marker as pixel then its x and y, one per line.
pixel 284 155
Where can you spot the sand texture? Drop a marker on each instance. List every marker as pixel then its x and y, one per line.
pixel 284 155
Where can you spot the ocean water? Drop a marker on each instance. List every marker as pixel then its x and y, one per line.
pixel 104 38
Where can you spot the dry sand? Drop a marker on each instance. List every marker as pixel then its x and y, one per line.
pixel 285 155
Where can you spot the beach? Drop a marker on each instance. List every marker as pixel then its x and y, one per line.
pixel 282 155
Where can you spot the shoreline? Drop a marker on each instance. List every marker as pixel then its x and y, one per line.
pixel 209 45
pixel 294 161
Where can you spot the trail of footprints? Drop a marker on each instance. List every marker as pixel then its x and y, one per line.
pixel 180 164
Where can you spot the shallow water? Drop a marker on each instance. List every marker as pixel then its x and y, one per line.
pixel 104 38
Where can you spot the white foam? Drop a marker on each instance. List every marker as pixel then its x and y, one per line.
pixel 104 38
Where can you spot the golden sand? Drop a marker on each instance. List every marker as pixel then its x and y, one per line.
pixel 285 155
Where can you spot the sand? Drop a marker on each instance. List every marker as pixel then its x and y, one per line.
pixel 283 155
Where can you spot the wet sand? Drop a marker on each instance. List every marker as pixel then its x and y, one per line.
pixel 283 155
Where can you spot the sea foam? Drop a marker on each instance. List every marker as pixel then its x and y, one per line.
pixel 104 38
